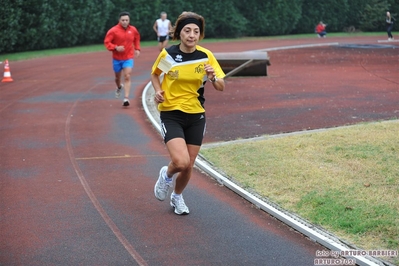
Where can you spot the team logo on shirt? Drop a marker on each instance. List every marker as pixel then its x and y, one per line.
pixel 173 74
pixel 179 58
pixel 199 69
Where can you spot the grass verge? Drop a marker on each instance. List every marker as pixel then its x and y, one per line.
pixel 60 51
pixel 345 180
pixel 100 47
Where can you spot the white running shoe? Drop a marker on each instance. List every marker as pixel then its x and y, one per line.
pixel 118 92
pixel 162 186
pixel 179 205
pixel 126 102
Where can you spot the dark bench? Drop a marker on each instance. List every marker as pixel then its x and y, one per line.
pixel 244 63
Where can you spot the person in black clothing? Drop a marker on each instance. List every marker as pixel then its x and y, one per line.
pixel 389 20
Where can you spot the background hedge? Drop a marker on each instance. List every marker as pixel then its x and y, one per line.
pixel 41 24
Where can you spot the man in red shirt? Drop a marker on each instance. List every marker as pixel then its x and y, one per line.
pixel 321 29
pixel 124 41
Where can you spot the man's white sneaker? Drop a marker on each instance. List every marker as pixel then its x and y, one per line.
pixel 179 205
pixel 162 186
pixel 126 102
pixel 118 92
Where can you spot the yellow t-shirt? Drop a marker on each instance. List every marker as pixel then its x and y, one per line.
pixel 184 78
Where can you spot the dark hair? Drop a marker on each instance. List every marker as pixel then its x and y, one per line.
pixel 124 13
pixel 183 19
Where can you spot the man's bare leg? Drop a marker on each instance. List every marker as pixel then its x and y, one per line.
pixel 127 83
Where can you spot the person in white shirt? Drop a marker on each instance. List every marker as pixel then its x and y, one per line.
pixel 389 21
pixel 162 27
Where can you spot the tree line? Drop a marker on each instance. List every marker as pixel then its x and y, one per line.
pixel 42 24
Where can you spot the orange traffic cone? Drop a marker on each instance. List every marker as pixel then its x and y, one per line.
pixel 7 73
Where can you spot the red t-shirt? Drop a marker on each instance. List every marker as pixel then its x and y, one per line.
pixel 119 36
pixel 320 28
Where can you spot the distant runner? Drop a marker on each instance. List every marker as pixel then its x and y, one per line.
pixel 124 42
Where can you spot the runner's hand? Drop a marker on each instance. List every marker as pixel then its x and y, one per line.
pixel 210 72
pixel 159 97
pixel 120 48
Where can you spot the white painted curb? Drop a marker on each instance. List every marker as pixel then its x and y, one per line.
pixel 316 234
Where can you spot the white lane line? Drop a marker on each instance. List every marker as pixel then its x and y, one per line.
pixel 107 219
pixel 297 46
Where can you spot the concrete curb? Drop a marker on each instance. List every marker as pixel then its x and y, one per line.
pixel 313 232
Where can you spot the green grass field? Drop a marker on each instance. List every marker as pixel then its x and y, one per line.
pixel 345 180
pixel 100 47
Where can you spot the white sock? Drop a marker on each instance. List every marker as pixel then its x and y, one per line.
pixel 166 177
pixel 176 196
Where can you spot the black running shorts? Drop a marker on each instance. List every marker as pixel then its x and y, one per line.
pixel 177 124
pixel 163 38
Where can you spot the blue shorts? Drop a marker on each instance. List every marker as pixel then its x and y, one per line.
pixel 121 64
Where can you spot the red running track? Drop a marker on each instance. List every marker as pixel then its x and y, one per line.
pixel 78 170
